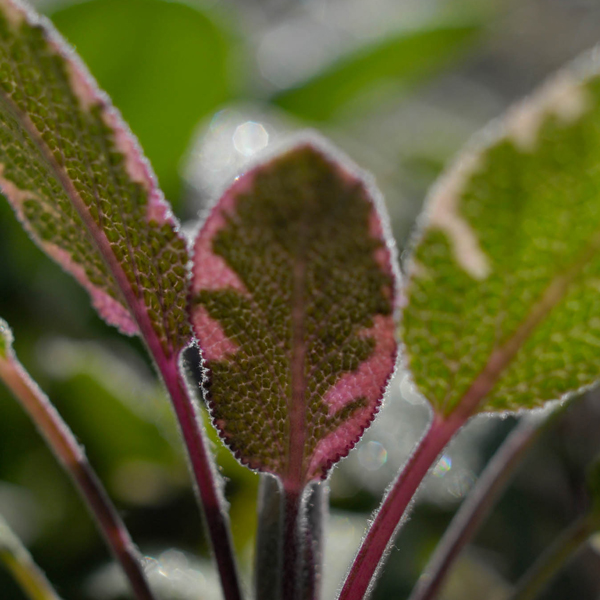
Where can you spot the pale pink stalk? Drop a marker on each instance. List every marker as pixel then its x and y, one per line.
pixel 71 455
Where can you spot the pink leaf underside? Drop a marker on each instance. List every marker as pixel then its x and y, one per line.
pixel 81 186
pixel 293 305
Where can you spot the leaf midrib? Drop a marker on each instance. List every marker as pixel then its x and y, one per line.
pixel 297 410
pixel 502 357
pixel 99 240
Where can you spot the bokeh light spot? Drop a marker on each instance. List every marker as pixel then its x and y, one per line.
pixel 250 137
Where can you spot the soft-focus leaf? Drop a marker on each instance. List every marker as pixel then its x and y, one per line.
pixel 503 302
pixel 6 338
pixel 293 298
pixel 401 59
pixel 164 64
pixel 79 184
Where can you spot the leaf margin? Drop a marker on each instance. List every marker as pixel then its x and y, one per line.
pixel 519 124
pixel 312 139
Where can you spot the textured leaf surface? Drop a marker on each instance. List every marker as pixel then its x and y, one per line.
pixel 293 290
pixel 400 59
pixel 506 273
pixel 164 64
pixel 79 184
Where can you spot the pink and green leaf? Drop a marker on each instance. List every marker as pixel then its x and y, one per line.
pixel 502 309
pixel 293 306
pixel 78 182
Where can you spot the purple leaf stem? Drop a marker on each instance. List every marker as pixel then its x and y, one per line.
pixel 390 517
pixel 476 507
pixel 202 466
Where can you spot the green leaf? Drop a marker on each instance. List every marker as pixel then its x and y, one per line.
pixel 164 64
pixel 503 310
pixel 401 60
pixel 79 184
pixel 6 338
pixel 293 289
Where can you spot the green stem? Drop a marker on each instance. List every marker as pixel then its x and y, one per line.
pixel 292 544
pixel 556 557
pixel 18 561
pixel 317 502
pixel 269 540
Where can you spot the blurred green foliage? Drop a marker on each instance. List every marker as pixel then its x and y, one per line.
pixel 393 64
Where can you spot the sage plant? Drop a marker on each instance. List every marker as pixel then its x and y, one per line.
pixel 291 291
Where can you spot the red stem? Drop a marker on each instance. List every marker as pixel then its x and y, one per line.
pixel 476 508
pixel 70 454
pixel 389 518
pixel 386 523
pixel 202 466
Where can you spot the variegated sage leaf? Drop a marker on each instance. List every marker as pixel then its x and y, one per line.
pixel 293 301
pixel 78 182
pixel 503 304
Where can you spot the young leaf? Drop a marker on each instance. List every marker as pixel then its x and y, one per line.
pixel 403 58
pixel 79 184
pixel 293 300
pixel 503 310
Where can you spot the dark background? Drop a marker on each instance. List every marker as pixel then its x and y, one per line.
pixel 399 85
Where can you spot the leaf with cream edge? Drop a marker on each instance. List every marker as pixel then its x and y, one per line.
pixel 293 304
pixel 80 185
pixel 78 182
pixel 503 310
